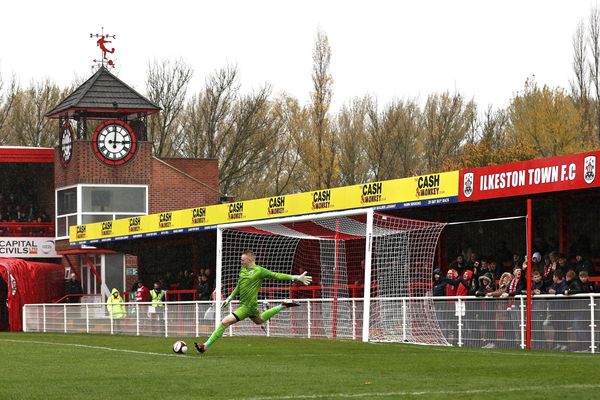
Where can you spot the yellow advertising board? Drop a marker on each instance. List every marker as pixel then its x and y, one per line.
pixel 416 191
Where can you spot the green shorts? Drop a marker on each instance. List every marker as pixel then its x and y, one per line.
pixel 243 312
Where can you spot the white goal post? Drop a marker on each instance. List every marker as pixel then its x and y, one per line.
pixel 371 275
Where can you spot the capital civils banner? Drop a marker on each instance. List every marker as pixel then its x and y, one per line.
pixel 570 172
pixel 398 193
pixel 27 247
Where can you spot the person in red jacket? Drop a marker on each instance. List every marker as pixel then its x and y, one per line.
pixel 142 294
pixel 452 282
pixel 465 285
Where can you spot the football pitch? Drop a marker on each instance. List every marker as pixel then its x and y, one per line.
pixel 69 366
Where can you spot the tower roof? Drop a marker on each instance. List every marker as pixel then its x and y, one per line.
pixel 103 95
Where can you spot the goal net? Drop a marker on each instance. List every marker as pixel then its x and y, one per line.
pixel 371 275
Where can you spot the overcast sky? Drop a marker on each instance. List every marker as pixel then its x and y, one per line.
pixel 398 49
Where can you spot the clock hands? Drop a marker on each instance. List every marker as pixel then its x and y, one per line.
pixel 114 137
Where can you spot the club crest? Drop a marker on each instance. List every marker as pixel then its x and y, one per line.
pixel 468 184
pixel 589 169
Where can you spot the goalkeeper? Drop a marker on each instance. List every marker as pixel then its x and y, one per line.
pixel 249 283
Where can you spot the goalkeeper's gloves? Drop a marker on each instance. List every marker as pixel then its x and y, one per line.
pixel 306 279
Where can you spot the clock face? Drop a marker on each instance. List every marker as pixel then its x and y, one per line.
pixel 114 142
pixel 66 143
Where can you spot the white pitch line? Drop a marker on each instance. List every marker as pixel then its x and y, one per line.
pixel 420 393
pixel 149 353
pixel 85 346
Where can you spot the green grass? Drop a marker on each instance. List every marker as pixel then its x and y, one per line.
pixel 52 366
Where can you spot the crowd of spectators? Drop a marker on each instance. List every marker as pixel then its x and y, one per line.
pixel 18 203
pixel 203 283
pixel 552 273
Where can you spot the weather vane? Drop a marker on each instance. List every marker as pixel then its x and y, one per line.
pixel 102 43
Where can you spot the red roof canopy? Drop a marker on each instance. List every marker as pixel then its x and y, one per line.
pixel 26 155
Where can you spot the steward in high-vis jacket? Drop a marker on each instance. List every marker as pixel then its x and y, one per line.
pixel 115 305
pixel 157 296
pixel 157 308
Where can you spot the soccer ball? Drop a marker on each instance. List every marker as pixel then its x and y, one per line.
pixel 536 257
pixel 179 347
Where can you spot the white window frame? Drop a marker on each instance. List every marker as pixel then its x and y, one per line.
pixel 80 212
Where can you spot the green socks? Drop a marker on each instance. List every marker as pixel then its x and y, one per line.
pixel 271 312
pixel 215 335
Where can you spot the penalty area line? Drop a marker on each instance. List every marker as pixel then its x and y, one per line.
pixel 420 393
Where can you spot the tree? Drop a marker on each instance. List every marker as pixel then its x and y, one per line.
pixel 491 144
pixel 282 173
pixel 166 86
pixel 237 129
pixel 547 120
pixel 594 44
pixel 319 147
pixel 7 97
pixel 352 123
pixel 394 140
pixel 447 121
pixel 580 87
pixel 27 117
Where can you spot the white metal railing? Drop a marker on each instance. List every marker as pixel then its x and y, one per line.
pixel 558 322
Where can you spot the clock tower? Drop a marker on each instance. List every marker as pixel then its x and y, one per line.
pixel 104 170
pixel 103 162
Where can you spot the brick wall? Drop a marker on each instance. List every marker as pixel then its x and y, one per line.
pixel 85 167
pixel 173 190
pixel 205 170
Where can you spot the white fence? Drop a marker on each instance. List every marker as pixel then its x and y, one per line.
pixel 558 322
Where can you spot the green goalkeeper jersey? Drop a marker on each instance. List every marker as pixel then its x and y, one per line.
pixel 250 281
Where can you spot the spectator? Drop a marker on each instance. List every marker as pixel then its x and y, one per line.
pixel 477 272
pixel 116 309
pixel 516 284
pixel 473 262
pixel 516 261
pixel 582 265
pixel 209 275
pixel 481 267
pixel 537 284
pixel 204 288
pixel 550 265
pixel 564 265
pixel 573 284
pixel 486 285
pixel 536 259
pixel 586 285
pixel 502 290
pixel 451 282
pixel 459 264
pixel 74 289
pixel 439 283
pixel 465 285
pixel 559 285
pixel 493 269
